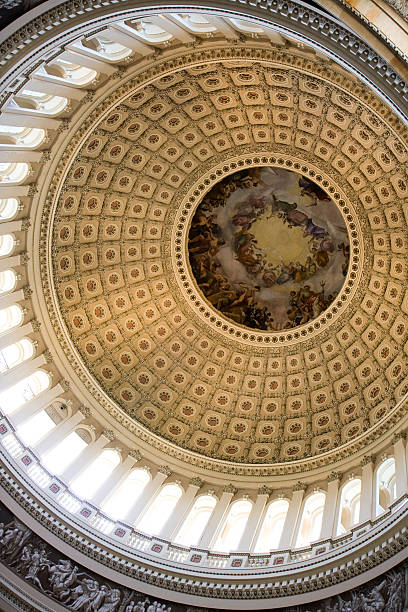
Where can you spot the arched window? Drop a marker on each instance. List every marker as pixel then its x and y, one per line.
pixel 10 317
pixel 70 73
pixel 25 390
pixel 34 429
pixel 158 513
pixel 311 522
pixel 272 526
pixel 106 48
pixel 87 483
pixel 58 458
pixel 195 22
pixel 14 136
pixel 6 244
pixel 44 104
pixel 119 503
pixel 150 31
pixel 385 485
pixel 8 280
pixel 246 26
pixel 13 172
pixel 349 509
pixel 233 527
pixel 8 208
pixel 196 521
pixel 16 353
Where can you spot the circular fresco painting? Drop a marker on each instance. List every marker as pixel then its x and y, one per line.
pixel 269 249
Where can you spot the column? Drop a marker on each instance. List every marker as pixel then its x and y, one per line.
pixel 32 407
pixel 16 334
pixel 86 457
pixel 8 299
pixel 183 506
pixel 215 522
pixel 10 262
pixel 11 226
pixel 13 376
pixel 366 495
pixel 247 540
pixel 401 475
pixel 291 525
pixel 147 496
pixel 61 431
pixel 330 507
pixel 115 479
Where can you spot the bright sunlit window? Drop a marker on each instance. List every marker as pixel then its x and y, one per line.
pixel 8 208
pixel 87 483
pixel 126 494
pixel 10 317
pixel 22 392
pixel 196 521
pixel 311 523
pixel 160 510
pixel 349 506
pixel 233 527
pixel 64 453
pixel 34 429
pixel 272 526
pixel 16 353
pixel 6 244
pixel 8 281
pixel 386 485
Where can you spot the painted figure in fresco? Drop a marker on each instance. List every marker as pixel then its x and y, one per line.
pixel 312 190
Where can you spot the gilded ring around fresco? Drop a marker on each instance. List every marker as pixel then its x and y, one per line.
pixel 269 248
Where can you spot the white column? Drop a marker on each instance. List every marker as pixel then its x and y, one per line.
pixel 330 507
pixel 13 376
pixel 115 478
pixel 73 54
pixel 86 457
pixel 247 540
pixel 31 408
pixel 8 227
pixel 15 334
pixel 10 262
pixel 8 299
pixel 215 522
pixel 40 84
pixel 146 498
pixel 60 431
pixel 401 472
pixel 291 525
pixel 366 495
pixel 182 508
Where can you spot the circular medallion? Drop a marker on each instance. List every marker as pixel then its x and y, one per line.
pixel 268 248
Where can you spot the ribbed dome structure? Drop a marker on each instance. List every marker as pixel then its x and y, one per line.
pixel 203 302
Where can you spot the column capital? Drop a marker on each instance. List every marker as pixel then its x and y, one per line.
pixel 196 482
pixel 27 292
pixel 401 435
pixel 108 433
pixel 333 476
pixel 64 384
pixel 229 488
pixel 164 469
pixel 264 490
pixel 300 486
pixel 36 325
pixel 135 454
pixel 367 460
pixel 85 411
